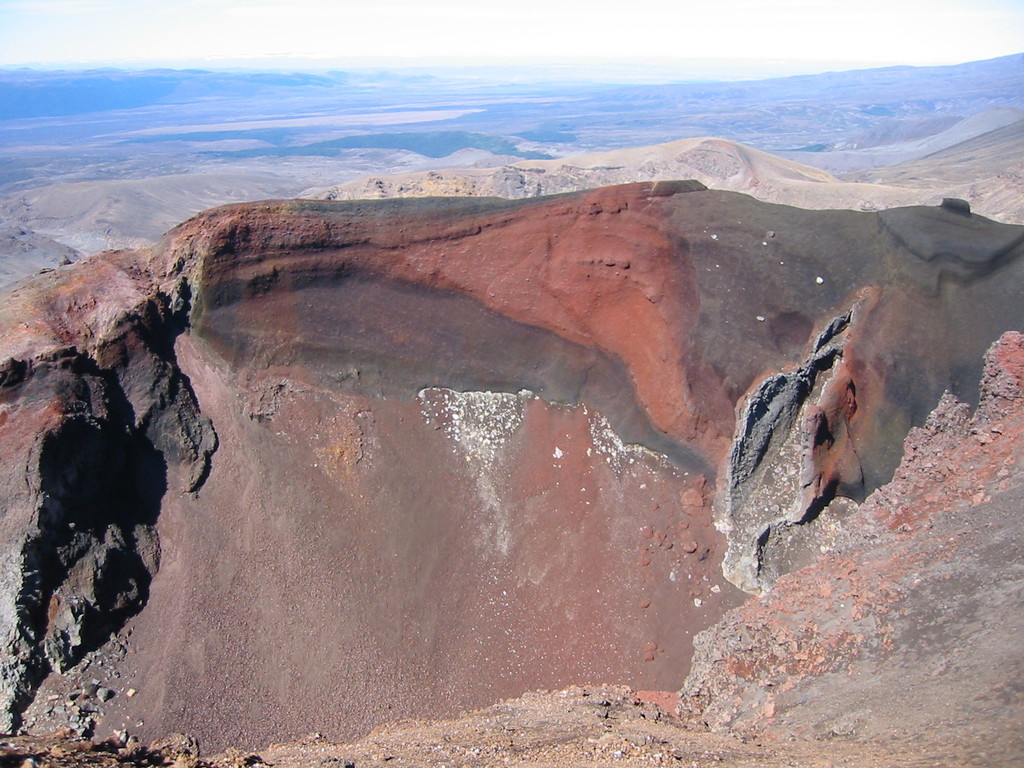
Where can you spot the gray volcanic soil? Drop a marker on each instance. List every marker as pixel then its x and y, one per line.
pixel 350 533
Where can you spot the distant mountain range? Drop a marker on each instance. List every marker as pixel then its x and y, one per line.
pixel 107 159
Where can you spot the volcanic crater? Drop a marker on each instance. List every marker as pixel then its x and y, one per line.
pixel 311 465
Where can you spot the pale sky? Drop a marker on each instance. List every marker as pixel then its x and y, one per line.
pixel 191 32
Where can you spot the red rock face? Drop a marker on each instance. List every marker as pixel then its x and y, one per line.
pixel 470 448
pixel 599 271
pixel 906 628
pixel 449 549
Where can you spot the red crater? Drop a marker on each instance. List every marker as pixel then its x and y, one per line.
pixel 407 457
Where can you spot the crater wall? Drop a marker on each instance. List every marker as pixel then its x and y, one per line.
pixel 412 456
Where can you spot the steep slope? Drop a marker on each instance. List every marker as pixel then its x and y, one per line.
pixel 894 649
pixel 907 628
pixel 404 457
pixel 979 157
pixel 25 252
pixel 884 147
pixel 93 216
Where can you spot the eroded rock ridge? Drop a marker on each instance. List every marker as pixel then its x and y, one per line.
pixel 435 452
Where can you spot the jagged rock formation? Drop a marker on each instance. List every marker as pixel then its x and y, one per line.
pixel 789 458
pixel 409 456
pixel 93 403
pixel 93 407
pixel 906 627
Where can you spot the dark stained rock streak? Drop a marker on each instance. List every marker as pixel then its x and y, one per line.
pixel 374 460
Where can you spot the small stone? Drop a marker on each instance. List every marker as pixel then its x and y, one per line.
pixel 819 279
pixel 130 692
pixel 104 694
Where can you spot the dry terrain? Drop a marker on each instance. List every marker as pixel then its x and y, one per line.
pixel 243 503
pixel 717 471
pixel 987 170
pixel 97 160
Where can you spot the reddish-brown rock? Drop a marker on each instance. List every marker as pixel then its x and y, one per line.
pixel 391 446
pixel 906 629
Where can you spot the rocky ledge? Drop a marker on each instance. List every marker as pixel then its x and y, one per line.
pixel 905 629
pixel 375 460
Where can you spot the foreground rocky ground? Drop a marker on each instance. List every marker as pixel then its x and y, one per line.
pixel 907 629
pixel 575 727
pixel 898 647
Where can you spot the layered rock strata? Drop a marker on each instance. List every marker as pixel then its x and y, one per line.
pixel 403 457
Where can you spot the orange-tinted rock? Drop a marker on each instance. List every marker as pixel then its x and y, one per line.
pixel 914 611
pixel 425 493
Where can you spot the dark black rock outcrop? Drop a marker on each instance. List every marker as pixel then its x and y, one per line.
pixel 427 490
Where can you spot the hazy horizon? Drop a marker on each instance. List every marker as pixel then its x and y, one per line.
pixel 734 39
pixel 498 70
